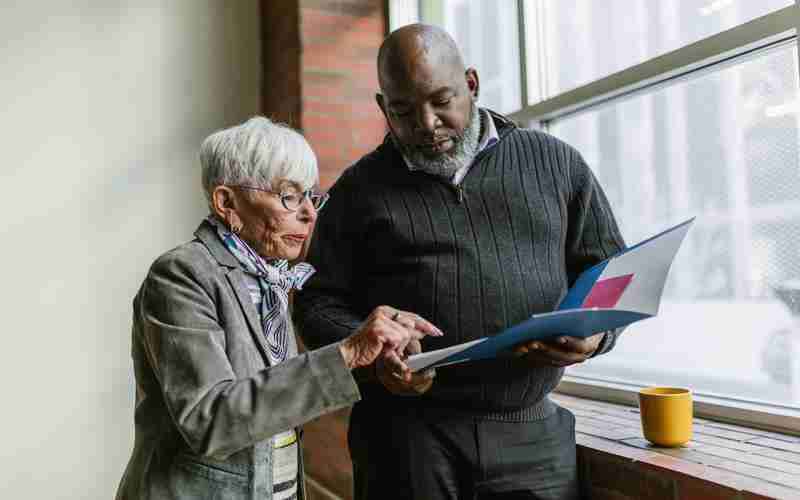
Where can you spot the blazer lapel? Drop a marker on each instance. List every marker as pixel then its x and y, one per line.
pixel 235 275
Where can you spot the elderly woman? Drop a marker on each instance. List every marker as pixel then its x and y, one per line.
pixel 220 388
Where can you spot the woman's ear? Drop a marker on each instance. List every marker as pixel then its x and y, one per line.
pixel 225 206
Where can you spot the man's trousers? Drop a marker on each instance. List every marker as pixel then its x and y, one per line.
pixel 407 452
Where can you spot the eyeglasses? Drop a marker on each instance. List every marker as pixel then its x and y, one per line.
pixel 293 201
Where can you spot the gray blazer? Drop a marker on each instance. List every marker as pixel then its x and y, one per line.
pixel 207 401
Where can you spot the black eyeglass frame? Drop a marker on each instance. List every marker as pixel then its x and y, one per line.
pixel 318 199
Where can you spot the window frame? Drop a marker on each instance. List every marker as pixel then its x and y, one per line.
pixel 770 30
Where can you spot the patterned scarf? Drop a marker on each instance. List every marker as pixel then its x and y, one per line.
pixel 275 281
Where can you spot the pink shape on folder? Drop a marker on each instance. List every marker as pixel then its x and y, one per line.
pixel 606 293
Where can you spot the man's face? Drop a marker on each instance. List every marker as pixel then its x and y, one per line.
pixel 430 109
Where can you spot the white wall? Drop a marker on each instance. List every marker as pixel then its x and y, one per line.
pixel 102 107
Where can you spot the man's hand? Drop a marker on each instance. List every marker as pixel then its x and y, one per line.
pixel 404 383
pixel 562 351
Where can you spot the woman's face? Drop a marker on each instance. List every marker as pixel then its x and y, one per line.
pixel 268 227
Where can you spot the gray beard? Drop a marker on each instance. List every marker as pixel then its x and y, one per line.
pixel 465 148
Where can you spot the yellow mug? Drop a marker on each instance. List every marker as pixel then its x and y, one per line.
pixel 666 415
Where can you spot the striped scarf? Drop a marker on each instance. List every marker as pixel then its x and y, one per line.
pixel 275 281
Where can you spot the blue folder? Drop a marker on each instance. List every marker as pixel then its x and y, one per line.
pixel 573 317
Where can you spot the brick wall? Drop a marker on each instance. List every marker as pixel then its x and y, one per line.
pixel 340 40
pixel 320 77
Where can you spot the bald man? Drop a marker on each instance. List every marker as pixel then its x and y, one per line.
pixel 474 224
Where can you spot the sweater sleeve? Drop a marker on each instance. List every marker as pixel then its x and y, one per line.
pixel 592 232
pixel 326 309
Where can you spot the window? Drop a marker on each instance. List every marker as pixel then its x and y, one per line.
pixel 682 108
pixel 578 41
pixel 717 145
pixel 487 32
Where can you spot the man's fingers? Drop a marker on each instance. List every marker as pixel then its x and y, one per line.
pixel 554 353
pixel 573 344
pixel 526 347
pixel 413 347
pixel 395 376
pixel 418 379
pixel 396 365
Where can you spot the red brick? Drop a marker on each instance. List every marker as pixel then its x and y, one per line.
pixel 320 138
pixel 315 121
pixel 324 59
pixel 361 45
pixel 331 90
pixel 748 495
pixel 691 488
pixel 361 108
pixel 326 24
pixel 326 179
pixel 620 476
pixel 596 493
pixel 326 151
pixel 325 452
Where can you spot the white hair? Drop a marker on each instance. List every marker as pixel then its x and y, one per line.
pixel 257 153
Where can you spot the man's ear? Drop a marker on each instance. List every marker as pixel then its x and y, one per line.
pixel 473 83
pixel 224 204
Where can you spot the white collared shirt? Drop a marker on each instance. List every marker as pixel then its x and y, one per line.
pixel 488 139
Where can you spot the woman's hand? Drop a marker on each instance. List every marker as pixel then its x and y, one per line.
pixel 386 331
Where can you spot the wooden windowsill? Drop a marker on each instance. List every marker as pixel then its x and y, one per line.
pixel 723 460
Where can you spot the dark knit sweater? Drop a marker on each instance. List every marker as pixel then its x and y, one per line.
pixel 525 221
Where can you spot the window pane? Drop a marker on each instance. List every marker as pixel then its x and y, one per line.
pixel 721 145
pixel 573 42
pixel 488 37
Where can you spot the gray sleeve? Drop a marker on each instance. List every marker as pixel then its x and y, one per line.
pixel 217 413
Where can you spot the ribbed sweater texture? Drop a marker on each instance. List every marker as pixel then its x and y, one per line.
pixel 473 259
